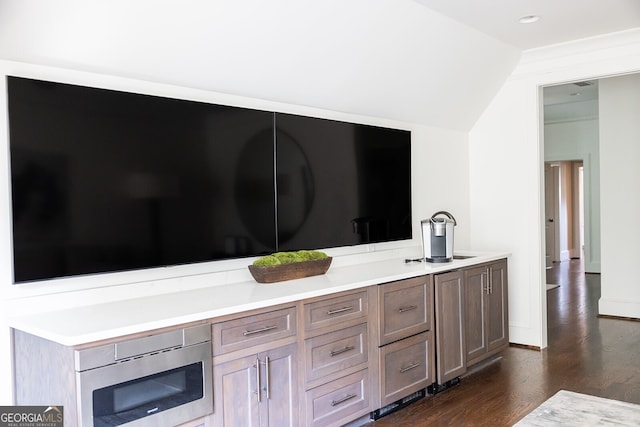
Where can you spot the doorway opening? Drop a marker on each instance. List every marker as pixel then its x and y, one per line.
pixel 564 211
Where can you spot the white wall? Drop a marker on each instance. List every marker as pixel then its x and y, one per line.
pixel 578 140
pixel 620 183
pixel 505 210
pixel 436 185
pixel 506 155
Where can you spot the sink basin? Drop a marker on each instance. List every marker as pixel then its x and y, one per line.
pixel 463 256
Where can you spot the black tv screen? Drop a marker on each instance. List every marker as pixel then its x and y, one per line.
pixel 341 183
pixel 106 181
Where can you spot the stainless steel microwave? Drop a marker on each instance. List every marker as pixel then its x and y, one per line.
pixel 157 380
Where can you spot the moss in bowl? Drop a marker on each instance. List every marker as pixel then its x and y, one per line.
pixel 282 266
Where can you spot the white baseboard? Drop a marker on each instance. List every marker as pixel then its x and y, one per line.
pixel 619 308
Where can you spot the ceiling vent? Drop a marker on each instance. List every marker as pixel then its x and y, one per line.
pixel 583 84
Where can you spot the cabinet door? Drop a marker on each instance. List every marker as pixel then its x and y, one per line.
pixel 259 390
pixel 475 289
pixel 450 327
pixel 279 387
pixel 236 393
pixel 486 302
pixel 497 307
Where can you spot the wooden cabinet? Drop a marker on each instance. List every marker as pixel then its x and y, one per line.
pixel 450 325
pixel 406 367
pixel 339 401
pixel 406 308
pixel 257 390
pixel 255 373
pixel 324 361
pixel 406 362
pixel 336 358
pixel 200 422
pixel 336 352
pixel 251 331
pixel 486 310
pixel 336 309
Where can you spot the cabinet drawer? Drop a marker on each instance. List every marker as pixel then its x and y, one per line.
pixel 336 351
pixel 331 311
pixel 248 331
pixel 340 401
pixel 405 308
pixel 405 367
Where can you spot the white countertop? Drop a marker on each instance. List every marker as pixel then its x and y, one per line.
pixel 82 325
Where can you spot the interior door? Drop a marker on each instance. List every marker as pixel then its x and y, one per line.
pixel 551 196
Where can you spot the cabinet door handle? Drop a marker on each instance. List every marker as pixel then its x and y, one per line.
pixel 344 399
pixel 339 310
pixel 258 378
pixel 490 281
pixel 409 367
pixel 266 375
pixel 342 350
pixel 407 308
pixel 485 283
pixel 257 331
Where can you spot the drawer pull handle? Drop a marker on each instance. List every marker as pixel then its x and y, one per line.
pixel 257 331
pixel 409 367
pixel 407 308
pixel 338 310
pixel 342 350
pixel 344 399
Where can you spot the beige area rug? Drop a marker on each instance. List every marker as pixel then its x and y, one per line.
pixel 569 409
pixel 551 286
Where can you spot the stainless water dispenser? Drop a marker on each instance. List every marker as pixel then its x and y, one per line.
pixel 437 237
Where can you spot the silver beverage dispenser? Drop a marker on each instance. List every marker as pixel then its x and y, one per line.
pixel 437 237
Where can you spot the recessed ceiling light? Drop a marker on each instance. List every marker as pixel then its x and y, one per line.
pixel 528 19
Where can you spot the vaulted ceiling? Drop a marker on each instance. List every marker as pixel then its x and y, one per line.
pixel 559 21
pixel 395 59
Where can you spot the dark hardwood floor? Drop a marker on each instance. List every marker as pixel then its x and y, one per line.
pixel 586 354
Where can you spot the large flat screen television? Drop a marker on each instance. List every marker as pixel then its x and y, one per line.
pixel 105 181
pixel 353 181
